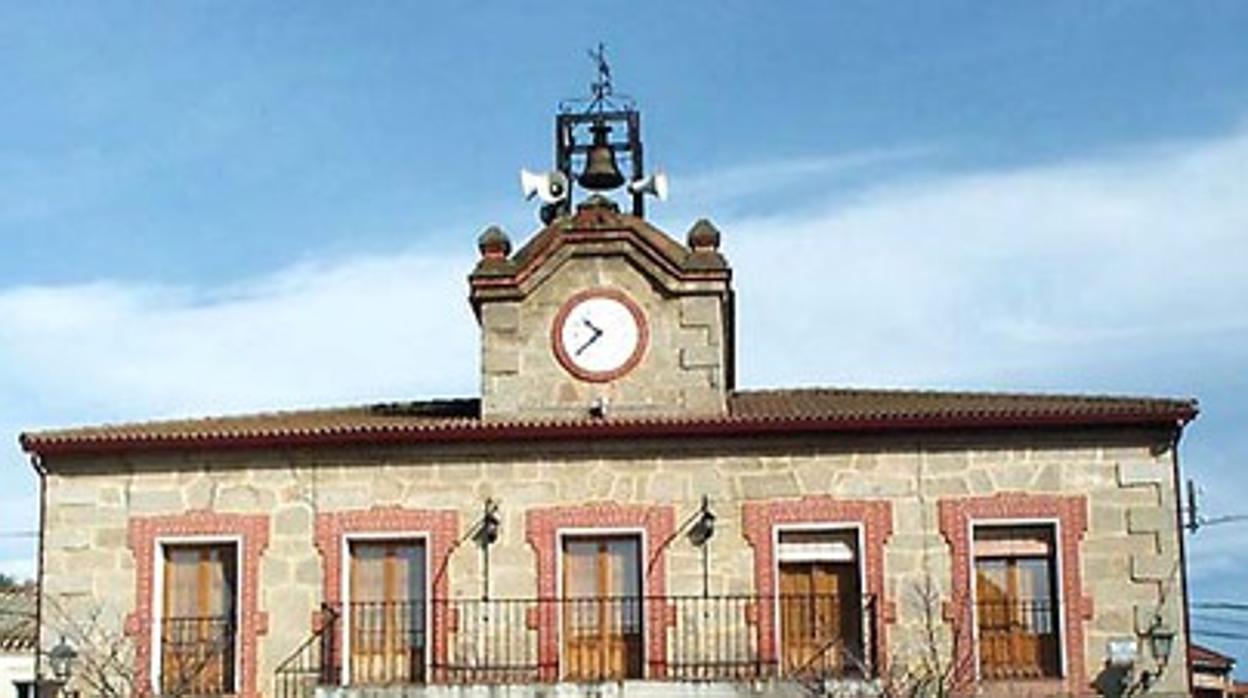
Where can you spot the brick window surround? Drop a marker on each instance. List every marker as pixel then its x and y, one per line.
pixel 542 528
pixel 761 519
pixel 957 516
pixel 440 529
pixel 252 534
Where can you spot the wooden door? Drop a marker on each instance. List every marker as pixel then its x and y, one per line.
pixel 198 620
pixel 820 618
pixel 386 612
pixel 602 608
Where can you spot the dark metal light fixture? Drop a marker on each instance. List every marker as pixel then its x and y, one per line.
pixel 61 657
pixel 1160 642
pixel 487 533
pixel 704 526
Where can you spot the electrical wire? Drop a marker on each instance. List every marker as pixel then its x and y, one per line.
pixel 1234 623
pixel 1221 606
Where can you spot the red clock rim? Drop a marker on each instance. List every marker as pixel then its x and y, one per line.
pixel 643 335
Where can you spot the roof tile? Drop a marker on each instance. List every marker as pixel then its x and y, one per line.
pixel 845 408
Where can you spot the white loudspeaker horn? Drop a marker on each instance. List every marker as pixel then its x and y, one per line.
pixel 652 184
pixel 550 187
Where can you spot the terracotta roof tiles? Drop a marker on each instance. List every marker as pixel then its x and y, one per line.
pixel 18 632
pixel 762 411
pixel 1205 657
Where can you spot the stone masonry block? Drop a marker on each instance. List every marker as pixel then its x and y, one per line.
pixel 699 357
pixel 501 317
pixel 698 311
pixel 66 493
pixel 1142 473
pixel 145 501
pixel 498 359
pixel 1151 520
pixel 1107 518
pixel 69 585
pixel 1151 568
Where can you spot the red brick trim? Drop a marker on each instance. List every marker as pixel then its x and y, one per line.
pixel 542 528
pixel 441 528
pixel 759 520
pixel 253 534
pixel 1071 513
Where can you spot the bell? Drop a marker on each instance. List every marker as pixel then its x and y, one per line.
pixel 601 172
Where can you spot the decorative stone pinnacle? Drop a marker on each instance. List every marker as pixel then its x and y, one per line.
pixel 494 243
pixel 703 236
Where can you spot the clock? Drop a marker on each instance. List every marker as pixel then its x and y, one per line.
pixel 599 335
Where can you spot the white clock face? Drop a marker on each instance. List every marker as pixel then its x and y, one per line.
pixel 600 336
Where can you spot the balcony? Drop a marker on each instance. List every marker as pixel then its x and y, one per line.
pixel 197 656
pixel 806 640
pixel 1018 639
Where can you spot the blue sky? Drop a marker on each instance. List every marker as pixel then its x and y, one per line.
pixel 211 207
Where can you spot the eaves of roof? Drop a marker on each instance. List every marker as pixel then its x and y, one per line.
pixel 756 413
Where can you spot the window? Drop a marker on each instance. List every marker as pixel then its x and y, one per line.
pixel 1016 603
pixel 602 607
pixel 820 603
pixel 198 619
pixel 386 613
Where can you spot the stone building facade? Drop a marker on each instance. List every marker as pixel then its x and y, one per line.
pixel 624 522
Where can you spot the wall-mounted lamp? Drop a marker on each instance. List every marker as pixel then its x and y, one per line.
pixel 486 535
pixel 1160 638
pixel 1160 642
pixel 703 527
pixel 61 659
pixel 487 530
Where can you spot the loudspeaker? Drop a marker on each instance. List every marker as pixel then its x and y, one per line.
pixel 653 184
pixel 550 187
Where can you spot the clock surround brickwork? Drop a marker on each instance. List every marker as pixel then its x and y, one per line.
pixel 569 362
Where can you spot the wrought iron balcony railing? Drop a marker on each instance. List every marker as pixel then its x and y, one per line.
pixel 1018 638
pixel 671 638
pixel 197 655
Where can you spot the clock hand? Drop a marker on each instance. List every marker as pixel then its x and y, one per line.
pixel 591 340
pixel 597 333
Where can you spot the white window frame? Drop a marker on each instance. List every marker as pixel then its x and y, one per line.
pixel 811 527
pixel 1058 589
pixel 345 592
pixel 158 598
pixel 644 563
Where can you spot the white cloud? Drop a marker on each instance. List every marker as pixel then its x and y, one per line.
pixel 705 192
pixel 357 329
pixel 971 277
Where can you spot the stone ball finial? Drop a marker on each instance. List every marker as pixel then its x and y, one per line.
pixel 494 243
pixel 703 236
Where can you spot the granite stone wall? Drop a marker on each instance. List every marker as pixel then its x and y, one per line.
pixel 1119 481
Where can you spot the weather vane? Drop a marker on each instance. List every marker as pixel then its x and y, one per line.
pixel 583 140
pixel 602 91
